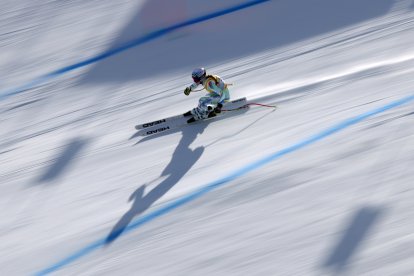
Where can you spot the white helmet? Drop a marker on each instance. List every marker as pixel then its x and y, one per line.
pixel 198 74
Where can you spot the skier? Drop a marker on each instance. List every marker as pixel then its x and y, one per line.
pixel 210 105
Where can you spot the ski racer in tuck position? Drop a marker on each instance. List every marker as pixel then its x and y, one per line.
pixel 210 105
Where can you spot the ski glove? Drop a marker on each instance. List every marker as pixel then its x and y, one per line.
pixel 187 91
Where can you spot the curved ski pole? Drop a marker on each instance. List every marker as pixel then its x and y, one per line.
pixel 263 105
pixel 249 104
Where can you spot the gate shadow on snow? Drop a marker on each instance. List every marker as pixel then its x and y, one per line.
pixel 353 237
pixel 62 162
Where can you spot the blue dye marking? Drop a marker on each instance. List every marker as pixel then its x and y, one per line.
pixel 127 46
pixel 236 174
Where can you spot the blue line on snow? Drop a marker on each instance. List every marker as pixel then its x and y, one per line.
pixel 236 174
pixel 127 46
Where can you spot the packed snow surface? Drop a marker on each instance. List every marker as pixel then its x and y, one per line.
pixel 80 191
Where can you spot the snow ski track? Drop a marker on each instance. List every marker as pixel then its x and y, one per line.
pixel 288 91
pixel 170 206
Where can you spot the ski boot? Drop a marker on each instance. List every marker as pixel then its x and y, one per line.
pixel 187 114
pixel 217 110
pixel 193 119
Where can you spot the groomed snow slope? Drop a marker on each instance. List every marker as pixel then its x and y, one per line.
pixel 81 194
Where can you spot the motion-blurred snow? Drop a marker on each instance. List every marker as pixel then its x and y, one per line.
pixel 71 174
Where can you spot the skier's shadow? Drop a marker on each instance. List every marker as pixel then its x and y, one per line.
pixel 181 162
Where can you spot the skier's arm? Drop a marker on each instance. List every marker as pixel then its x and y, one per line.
pixel 193 86
pixel 190 88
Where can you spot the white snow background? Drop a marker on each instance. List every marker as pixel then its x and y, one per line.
pixel 81 194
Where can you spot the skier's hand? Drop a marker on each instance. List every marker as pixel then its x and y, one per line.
pixel 187 91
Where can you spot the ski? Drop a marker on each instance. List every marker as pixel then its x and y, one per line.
pixel 231 105
pixel 159 129
pixel 158 122
pixel 181 121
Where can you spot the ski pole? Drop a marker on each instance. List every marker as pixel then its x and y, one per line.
pixel 263 105
pixel 246 105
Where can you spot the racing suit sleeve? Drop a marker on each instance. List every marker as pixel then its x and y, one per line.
pixel 193 86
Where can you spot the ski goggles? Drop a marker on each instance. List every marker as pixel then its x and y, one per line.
pixel 196 79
